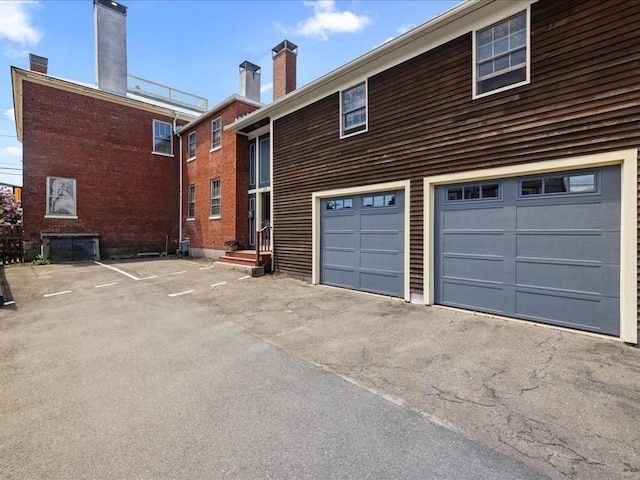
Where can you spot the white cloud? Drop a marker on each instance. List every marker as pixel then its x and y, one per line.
pixel 10 115
pixel 10 154
pixel 401 30
pixel 16 24
pixel 14 53
pixel 266 87
pixel 326 20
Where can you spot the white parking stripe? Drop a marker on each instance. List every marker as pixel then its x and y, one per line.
pixel 9 303
pixel 218 284
pixel 246 276
pixel 57 293
pixel 179 273
pixel 117 270
pixel 181 293
pixel 148 278
pixel 106 285
pixel 206 268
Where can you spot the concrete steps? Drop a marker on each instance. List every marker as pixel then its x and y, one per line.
pixel 245 260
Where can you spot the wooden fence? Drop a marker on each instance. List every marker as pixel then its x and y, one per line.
pixel 11 250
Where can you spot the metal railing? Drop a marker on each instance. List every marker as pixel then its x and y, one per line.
pixel 154 90
pixel 263 242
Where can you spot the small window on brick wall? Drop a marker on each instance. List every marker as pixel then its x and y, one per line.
pixel 191 202
pixel 162 138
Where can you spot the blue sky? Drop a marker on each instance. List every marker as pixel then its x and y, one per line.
pixel 195 45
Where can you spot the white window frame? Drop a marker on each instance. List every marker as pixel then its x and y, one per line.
pixel 214 145
pixel 191 155
pixel 364 83
pixel 70 198
pixel 153 133
pixel 527 80
pixel 191 199
pixel 217 197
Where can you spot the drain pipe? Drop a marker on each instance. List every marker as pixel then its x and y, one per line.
pixel 177 132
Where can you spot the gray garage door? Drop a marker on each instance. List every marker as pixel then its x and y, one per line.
pixel 362 242
pixel 543 248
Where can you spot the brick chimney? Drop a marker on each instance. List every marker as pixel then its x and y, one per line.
pixel 250 81
pixel 110 24
pixel 284 68
pixel 38 64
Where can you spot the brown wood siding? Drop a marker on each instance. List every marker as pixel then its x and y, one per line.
pixel 584 98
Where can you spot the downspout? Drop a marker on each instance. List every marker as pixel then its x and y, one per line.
pixel 177 132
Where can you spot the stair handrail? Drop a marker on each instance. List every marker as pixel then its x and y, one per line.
pixel 263 241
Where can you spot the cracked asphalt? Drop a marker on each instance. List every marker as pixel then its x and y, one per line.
pixel 566 404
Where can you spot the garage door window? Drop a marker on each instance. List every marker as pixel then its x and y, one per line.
pixel 340 204
pixel 376 201
pixel 559 185
pixel 487 191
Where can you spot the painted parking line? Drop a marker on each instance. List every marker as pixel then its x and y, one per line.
pixel 117 270
pixel 106 285
pixel 57 293
pixel 206 268
pixel 8 303
pixel 148 278
pixel 181 293
pixel 218 284
pixel 245 277
pixel 179 273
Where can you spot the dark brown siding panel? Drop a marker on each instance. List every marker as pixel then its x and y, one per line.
pixel 584 98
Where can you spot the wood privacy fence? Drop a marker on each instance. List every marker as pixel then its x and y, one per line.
pixel 11 250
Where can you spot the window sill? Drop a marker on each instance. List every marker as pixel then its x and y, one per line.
pixel 214 217
pixel 163 154
pixel 67 217
pixel 347 135
pixel 190 219
pixel 215 149
pixel 501 89
pixel 191 159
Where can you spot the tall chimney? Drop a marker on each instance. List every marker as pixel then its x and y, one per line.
pixel 250 81
pixel 110 24
pixel 38 64
pixel 284 68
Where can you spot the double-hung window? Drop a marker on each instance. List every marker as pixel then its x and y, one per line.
pixel 191 202
pixel 61 197
pixel 191 145
pixel 501 55
pixel 215 198
pixel 353 110
pixel 216 133
pixel 162 138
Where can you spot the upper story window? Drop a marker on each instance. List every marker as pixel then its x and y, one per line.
pixel 162 138
pixel 191 202
pixel 216 133
pixel 191 145
pixel 501 55
pixel 215 198
pixel 353 110
pixel 61 197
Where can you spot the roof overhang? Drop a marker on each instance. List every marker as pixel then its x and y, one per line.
pixel 459 20
pixel 216 108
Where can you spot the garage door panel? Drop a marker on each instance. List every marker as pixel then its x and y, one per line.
pixel 583 313
pixel 338 223
pixel 474 243
pixel 468 295
pixel 378 282
pixel 574 278
pixel 339 276
pixel 333 257
pixel 465 219
pixel 382 241
pixel 560 246
pixel 378 221
pixel 340 239
pixel 473 268
pixel 387 261
pixel 585 216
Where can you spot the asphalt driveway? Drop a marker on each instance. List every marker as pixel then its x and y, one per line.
pixel 143 369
